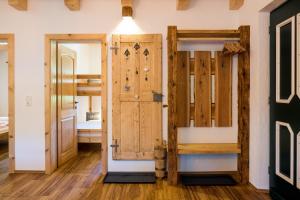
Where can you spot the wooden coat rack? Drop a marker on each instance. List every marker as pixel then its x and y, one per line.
pixel 241 46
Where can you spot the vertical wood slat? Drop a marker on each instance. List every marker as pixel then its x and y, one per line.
pixel 172 129
pixel 223 91
pixel 202 89
pixel 244 104
pixel 183 89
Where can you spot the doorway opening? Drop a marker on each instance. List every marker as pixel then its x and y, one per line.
pixel 7 161
pixel 76 110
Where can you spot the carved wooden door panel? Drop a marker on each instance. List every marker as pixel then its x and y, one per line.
pixel 137 120
pixel 284 101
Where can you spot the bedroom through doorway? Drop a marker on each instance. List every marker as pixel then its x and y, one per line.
pixel 4 129
pixel 78 103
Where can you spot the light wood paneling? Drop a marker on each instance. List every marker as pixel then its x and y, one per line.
pixel 18 4
pixel 183 89
pixel 150 127
pixel 130 130
pixel 136 77
pixel 202 89
pixel 223 91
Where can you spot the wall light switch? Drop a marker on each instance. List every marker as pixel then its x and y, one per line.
pixel 28 101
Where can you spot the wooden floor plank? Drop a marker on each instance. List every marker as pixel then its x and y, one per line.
pixel 81 179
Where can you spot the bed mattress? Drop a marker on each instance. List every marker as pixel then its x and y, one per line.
pixel 3 125
pixel 92 124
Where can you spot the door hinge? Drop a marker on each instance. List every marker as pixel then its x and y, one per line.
pixel 115 47
pixel 157 97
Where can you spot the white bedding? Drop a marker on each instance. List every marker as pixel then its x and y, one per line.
pixel 3 125
pixel 92 124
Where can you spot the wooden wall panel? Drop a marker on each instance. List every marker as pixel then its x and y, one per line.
pixel 223 91
pixel 183 89
pixel 129 128
pixel 202 88
pixel 129 72
pixel 137 119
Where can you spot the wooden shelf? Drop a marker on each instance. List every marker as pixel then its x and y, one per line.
pixel 89 93
pixel 79 85
pixel 88 76
pixel 208 34
pixel 208 148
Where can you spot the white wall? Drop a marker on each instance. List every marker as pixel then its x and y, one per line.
pixel 3 84
pixel 256 13
pixel 103 16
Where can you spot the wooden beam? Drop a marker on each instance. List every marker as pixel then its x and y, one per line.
pixel 231 34
pixel 126 3
pixel 127 8
pixel 235 4
pixel 244 105
pixel 182 4
pixel 233 48
pixel 73 5
pixel 18 4
pixel 172 89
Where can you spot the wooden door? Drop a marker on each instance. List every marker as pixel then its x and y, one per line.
pixel 66 108
pixel 284 102
pixel 137 110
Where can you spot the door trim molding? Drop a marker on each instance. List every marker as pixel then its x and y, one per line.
pixel 298 161
pixel 10 38
pixel 278 26
pixel 291 179
pixel 298 57
pixel 50 151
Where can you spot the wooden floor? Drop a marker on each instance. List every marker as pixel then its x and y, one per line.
pixel 80 179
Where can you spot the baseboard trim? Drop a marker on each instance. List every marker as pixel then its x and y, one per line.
pixel 28 172
pixel 266 191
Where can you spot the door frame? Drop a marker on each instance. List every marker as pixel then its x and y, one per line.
pixel 10 38
pixel 50 118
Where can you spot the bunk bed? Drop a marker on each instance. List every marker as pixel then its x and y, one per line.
pixel 90 130
pixel 4 128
